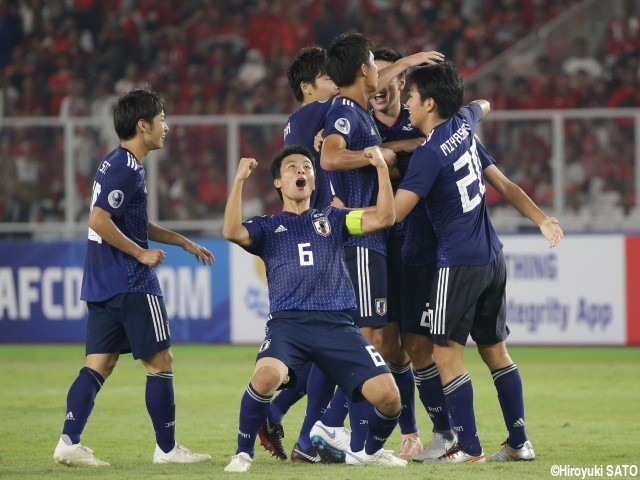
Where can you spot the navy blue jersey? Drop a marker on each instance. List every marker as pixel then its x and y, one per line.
pixel 304 259
pixel 301 127
pixel 447 172
pixel 119 188
pixel 400 130
pixel 358 187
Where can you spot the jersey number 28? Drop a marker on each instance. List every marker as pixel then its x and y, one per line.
pixel 472 162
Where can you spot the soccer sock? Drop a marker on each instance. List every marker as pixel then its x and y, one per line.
pixel 458 394
pixel 289 396
pixel 162 408
pixel 431 396
pixel 80 401
pixel 380 427
pixel 509 386
pixel 404 380
pixel 359 414
pixel 254 409
pixel 319 392
pixel 336 411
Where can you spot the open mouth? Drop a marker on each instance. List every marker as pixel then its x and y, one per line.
pixel 380 98
pixel 301 183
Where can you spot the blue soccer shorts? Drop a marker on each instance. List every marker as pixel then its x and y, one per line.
pixel 368 272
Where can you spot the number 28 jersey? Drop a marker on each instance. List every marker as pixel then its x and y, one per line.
pixel 304 259
pixel 119 188
pixel 447 172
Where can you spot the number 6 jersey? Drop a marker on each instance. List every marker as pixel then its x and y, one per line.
pixel 447 172
pixel 119 188
pixel 304 258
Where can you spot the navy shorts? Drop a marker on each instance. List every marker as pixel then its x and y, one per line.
pixel 330 340
pixel 416 291
pixel 394 277
pixel 470 299
pixel 368 272
pixel 128 323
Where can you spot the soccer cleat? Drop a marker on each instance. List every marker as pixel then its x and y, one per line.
pixel 509 454
pixel 76 456
pixel 271 435
pixel 239 463
pixel 438 446
pixel 456 455
pixel 312 455
pixel 179 454
pixel 382 457
pixel 410 446
pixel 335 440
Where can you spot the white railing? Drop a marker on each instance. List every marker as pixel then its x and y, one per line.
pixel 74 224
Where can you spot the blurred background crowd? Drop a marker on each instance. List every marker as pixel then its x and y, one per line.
pixel 70 58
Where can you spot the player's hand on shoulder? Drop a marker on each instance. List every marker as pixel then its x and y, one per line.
pixel 318 139
pixel 203 255
pixel 247 165
pixel 429 58
pixel 152 257
pixel 375 156
pixel 550 228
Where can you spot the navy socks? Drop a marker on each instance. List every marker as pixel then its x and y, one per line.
pixel 432 397
pixel 509 386
pixel 254 409
pixel 458 394
pixel 406 385
pixel 162 408
pixel 80 401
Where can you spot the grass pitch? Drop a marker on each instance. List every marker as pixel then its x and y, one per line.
pixel 583 409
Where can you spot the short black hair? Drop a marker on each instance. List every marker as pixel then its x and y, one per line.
pixel 136 105
pixel 388 55
pixel 443 83
pixel 276 163
pixel 346 54
pixel 309 64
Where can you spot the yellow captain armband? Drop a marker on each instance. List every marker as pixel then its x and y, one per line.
pixel 354 222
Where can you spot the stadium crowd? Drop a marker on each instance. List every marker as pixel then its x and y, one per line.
pixel 73 58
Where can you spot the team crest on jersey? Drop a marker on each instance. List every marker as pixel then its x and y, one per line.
pixel 115 198
pixel 266 344
pixel 343 126
pixel 381 306
pixel 322 226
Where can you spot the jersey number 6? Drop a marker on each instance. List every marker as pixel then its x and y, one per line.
pixel 306 256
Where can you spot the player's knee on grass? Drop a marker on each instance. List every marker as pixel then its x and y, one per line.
pixel 420 350
pixel 382 393
pixel 160 362
pixel 103 363
pixel 268 375
pixel 495 356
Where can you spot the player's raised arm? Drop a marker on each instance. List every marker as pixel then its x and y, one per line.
pixel 100 221
pixel 232 229
pixel 169 237
pixel 386 75
pixel 516 197
pixel 383 214
pixel 335 155
pixel 485 105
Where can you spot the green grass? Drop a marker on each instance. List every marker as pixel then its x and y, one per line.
pixel 583 409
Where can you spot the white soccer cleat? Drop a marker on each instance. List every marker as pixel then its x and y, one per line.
pixel 509 454
pixel 439 445
pixel 411 445
pixel 456 455
pixel 239 463
pixel 382 457
pixel 76 456
pixel 179 454
pixel 334 439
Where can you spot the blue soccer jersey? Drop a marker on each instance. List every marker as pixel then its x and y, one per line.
pixel 119 188
pixel 447 172
pixel 358 187
pixel 301 128
pixel 304 259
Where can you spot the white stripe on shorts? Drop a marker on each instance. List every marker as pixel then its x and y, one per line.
pixel 153 317
pixel 160 317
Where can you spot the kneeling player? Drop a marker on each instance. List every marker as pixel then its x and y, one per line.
pixel 311 297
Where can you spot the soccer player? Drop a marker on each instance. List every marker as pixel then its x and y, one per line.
pixel 469 294
pixel 313 88
pixel 311 296
pixel 349 128
pixel 126 309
